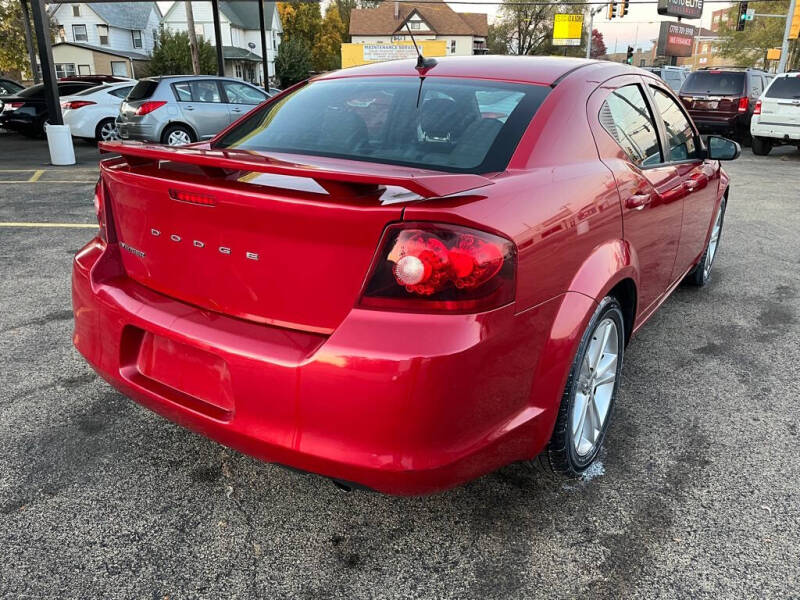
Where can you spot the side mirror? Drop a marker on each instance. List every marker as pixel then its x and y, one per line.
pixel 720 148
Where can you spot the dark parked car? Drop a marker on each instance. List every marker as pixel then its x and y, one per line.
pixel 9 87
pixel 26 111
pixel 723 100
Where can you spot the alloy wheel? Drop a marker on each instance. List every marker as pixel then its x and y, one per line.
pixel 595 388
pixel 108 132
pixel 712 243
pixel 178 138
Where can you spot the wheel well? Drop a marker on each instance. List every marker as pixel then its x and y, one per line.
pixel 625 293
pixel 180 124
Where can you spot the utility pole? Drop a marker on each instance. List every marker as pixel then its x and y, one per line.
pixel 592 13
pixel 26 25
pixel 786 33
pixel 192 37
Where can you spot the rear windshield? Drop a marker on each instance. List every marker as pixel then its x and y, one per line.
pixel 35 91
pixel 784 87
pixel 454 125
pixel 143 89
pixel 717 83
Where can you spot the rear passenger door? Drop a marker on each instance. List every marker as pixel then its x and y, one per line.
pixel 241 98
pixel 651 190
pixel 201 106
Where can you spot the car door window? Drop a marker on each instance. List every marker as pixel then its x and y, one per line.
pixel 757 86
pixel 681 140
pixel 121 92
pixel 626 116
pixel 239 93
pixel 197 91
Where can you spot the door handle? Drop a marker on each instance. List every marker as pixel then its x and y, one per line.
pixel 638 201
pixel 188 108
pixel 236 110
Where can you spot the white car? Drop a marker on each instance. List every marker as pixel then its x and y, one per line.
pixel 776 118
pixel 91 114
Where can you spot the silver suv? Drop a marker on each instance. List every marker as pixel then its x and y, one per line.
pixel 181 109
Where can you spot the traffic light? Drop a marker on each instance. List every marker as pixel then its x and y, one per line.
pixel 612 9
pixel 625 5
pixel 740 19
pixel 629 58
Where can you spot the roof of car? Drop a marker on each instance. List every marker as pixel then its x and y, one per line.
pixel 545 70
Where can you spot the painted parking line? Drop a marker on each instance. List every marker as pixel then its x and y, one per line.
pixel 17 181
pixel 54 225
pixel 35 177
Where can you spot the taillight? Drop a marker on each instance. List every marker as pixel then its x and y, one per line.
pixel 100 209
pixel 149 106
pixel 743 104
pixel 192 198
pixel 73 104
pixel 757 108
pixel 12 105
pixel 431 267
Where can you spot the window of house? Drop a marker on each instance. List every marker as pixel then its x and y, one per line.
pixel 238 70
pixel 119 68
pixel 102 33
pixel 62 36
pixel 155 38
pixel 452 46
pixel 76 10
pixel 136 36
pixel 627 118
pixel 84 69
pixel 79 33
pixel 65 69
pixel 414 24
pixel 680 135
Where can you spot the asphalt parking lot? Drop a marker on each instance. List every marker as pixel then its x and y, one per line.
pixel 697 495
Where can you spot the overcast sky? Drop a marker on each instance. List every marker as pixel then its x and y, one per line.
pixel 638 28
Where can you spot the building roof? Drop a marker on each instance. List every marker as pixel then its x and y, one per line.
pixel 235 53
pixel 125 15
pixel 442 19
pixel 123 53
pixel 245 14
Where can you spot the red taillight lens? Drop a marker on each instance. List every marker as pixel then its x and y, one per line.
pixel 743 104
pixel 192 198
pixel 73 104
pixel 427 267
pixel 150 106
pixel 100 209
pixel 12 105
pixel 757 108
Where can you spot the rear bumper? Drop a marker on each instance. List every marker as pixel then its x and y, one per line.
pixel 401 403
pixel 732 124
pixel 775 131
pixel 143 132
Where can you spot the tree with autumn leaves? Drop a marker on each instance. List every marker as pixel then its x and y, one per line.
pixel 310 42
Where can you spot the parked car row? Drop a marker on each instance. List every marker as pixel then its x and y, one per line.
pixel 174 110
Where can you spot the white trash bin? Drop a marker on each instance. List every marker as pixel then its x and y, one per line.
pixel 59 140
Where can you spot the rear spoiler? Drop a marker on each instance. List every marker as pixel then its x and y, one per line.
pixel 427 184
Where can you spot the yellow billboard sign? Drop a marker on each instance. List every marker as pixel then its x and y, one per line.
pixel 366 53
pixel 774 54
pixel 567 29
pixel 794 32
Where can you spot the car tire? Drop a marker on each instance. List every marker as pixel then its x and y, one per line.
pixel 701 274
pixel 177 135
pixel 102 133
pixel 761 146
pixel 585 403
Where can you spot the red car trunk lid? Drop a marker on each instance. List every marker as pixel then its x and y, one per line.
pixel 205 233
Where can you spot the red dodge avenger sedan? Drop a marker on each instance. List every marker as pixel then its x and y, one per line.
pixel 399 277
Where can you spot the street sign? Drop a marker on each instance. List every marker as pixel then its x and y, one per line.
pixel 774 54
pixel 675 39
pixel 688 9
pixel 794 32
pixel 748 16
pixel 567 29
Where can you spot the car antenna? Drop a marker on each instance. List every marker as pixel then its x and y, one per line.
pixel 422 62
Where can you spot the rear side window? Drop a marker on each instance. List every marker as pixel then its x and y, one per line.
pixel 143 90
pixel 715 83
pixel 121 92
pixel 197 91
pixel 457 125
pixel 787 88
pixel 627 118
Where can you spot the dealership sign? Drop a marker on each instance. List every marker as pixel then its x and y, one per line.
pixel 381 52
pixel 675 39
pixel 688 9
pixel 567 29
